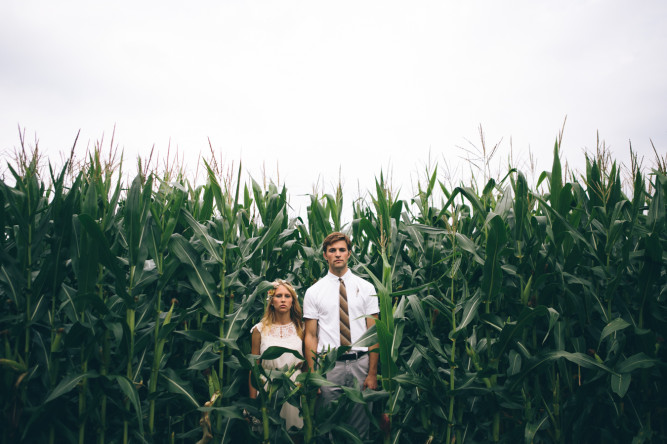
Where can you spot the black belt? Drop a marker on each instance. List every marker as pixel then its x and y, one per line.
pixel 351 356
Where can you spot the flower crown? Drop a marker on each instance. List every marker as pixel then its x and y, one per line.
pixel 276 284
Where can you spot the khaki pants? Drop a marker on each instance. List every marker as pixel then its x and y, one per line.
pixel 345 373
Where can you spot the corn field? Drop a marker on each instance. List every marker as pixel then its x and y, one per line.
pixel 507 315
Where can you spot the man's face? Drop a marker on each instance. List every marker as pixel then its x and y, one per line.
pixel 337 256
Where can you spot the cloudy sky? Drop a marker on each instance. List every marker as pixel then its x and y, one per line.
pixel 315 88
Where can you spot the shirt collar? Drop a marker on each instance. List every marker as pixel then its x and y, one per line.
pixel 345 277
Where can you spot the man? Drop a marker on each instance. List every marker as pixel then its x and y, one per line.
pixel 335 311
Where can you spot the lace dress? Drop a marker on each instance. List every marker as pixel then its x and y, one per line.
pixel 282 336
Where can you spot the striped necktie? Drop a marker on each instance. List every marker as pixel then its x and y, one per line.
pixel 345 337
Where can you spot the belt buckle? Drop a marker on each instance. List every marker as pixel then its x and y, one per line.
pixel 349 356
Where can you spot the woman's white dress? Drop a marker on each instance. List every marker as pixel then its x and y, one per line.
pixel 282 336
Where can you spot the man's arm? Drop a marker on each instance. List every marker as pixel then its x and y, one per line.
pixel 310 342
pixel 371 381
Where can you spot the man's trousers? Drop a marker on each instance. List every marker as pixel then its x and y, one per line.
pixel 345 373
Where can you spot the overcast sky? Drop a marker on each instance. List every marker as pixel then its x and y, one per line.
pixel 317 87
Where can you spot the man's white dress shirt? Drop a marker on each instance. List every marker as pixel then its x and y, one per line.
pixel 321 303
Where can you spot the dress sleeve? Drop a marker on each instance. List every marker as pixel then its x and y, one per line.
pixel 257 326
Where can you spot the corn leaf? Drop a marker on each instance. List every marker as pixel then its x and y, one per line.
pixel 639 360
pixel 178 386
pixel 200 232
pixel 612 327
pixel 200 279
pixel 68 383
pixel 620 383
pixel 130 391
pixel 420 318
pixel 495 244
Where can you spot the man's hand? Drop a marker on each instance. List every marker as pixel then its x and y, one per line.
pixel 371 382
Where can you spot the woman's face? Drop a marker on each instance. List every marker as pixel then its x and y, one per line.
pixel 282 300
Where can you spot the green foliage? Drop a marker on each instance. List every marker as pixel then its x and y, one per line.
pixel 506 316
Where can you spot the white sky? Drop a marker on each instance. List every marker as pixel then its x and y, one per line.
pixel 360 86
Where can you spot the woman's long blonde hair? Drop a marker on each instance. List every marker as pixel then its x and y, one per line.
pixel 296 315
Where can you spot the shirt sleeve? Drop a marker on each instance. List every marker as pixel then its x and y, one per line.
pixel 372 305
pixel 309 308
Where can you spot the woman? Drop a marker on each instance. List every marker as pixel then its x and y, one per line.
pixel 280 326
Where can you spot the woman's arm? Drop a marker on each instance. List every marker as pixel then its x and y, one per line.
pixel 256 342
